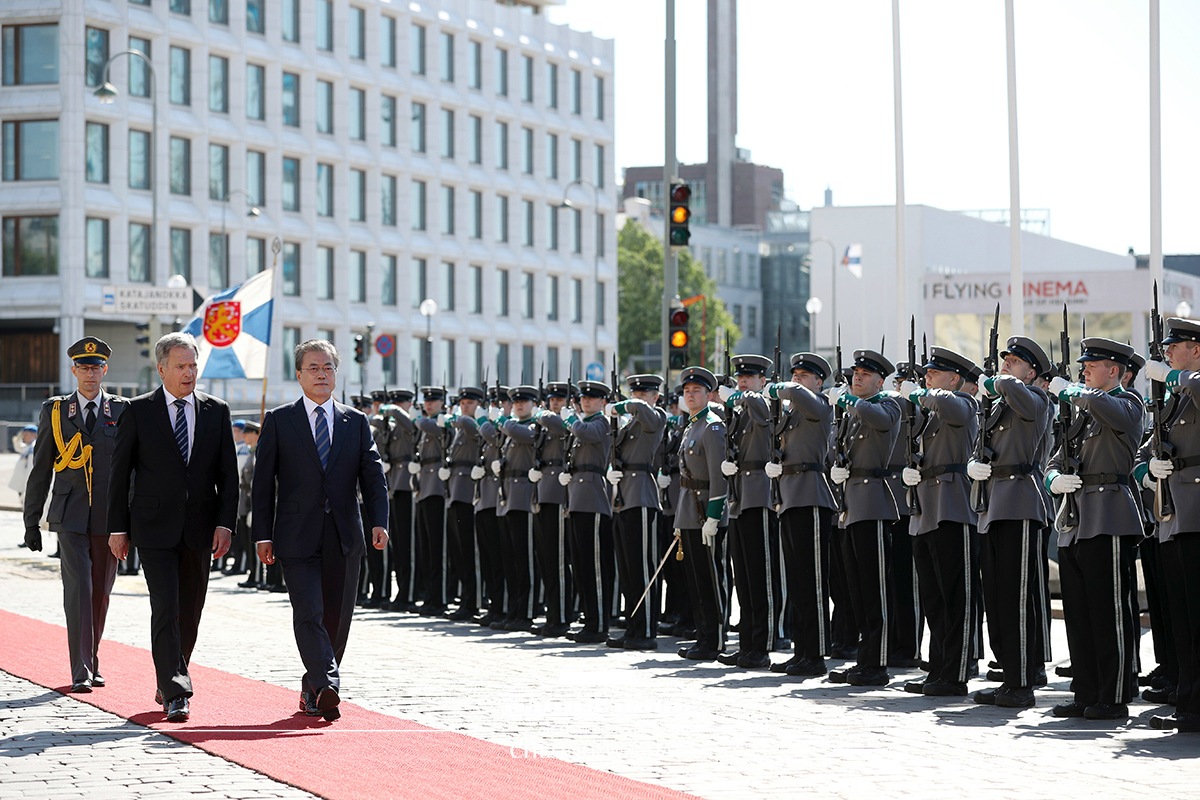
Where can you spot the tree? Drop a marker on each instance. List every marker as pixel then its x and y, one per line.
pixel 639 297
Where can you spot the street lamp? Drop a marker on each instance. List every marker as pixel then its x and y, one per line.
pixel 252 213
pixel 428 308
pixel 566 203
pixel 833 271
pixel 813 307
pixel 1184 309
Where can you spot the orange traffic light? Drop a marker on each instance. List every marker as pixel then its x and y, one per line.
pixel 679 339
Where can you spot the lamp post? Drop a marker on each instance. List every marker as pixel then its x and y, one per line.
pixel 813 307
pixel 566 203
pixel 252 213
pixel 107 94
pixel 428 308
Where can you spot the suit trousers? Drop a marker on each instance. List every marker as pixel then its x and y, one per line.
pixel 461 541
pixel 1181 565
pixel 945 559
pixel 520 564
pixel 907 623
pixel 402 549
pixel 705 567
pixel 866 553
pixel 177 580
pixel 491 560
pixel 1161 632
pixel 322 589
pixel 593 567
pixel 1009 556
pixel 636 542
pixel 88 571
pixel 756 578
pixel 550 538
pixel 843 625
pixel 431 550
pixel 676 602
pixel 805 535
pixel 1099 618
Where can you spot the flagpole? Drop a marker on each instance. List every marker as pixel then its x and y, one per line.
pixel 276 246
pixel 901 276
pixel 1016 276
pixel 1156 254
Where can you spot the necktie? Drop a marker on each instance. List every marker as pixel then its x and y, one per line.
pixel 321 435
pixel 181 436
pixel 89 419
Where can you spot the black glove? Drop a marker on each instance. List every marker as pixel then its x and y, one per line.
pixel 33 539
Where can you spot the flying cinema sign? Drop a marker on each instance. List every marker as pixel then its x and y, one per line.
pixel 1036 292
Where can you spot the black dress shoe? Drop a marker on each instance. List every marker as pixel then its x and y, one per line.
pixel 1187 722
pixel 520 625
pixel 498 625
pixel 81 687
pixel 1071 709
pixel 553 630
pixel 1040 678
pixel 277 588
pixel 754 659
pixel 900 662
pixel 994 665
pixel 697 653
pixel 177 709
pixel 996 675
pixel 247 584
pixel 730 659
pixel 1064 671
pixel 1015 697
pixel 1163 722
pixel 463 614
pixel 915 687
pixel 640 643
pixel 372 602
pixel 487 619
pixel 615 642
pixel 432 610
pixel 848 652
pixel 868 676
pixel 1107 711
pixel 327 703
pixel 985 697
pixel 158 698
pixel 589 637
pixel 781 666
pixel 1148 678
pixel 308 704
pixel 98 680
pixel 1160 696
pixel 806 667
pixel 839 675
pixel 944 689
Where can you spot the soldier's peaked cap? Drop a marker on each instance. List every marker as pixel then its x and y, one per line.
pixel 1136 362
pixel 433 393
pixel 869 359
pixel 594 389
pixel 400 395
pixel 523 393
pixel 811 362
pixel 749 364
pixel 1182 330
pixel 947 360
pixel 558 389
pixel 1098 349
pixel 471 393
pixel 644 383
pixel 698 375
pixel 379 396
pixel 497 393
pixel 89 350
pixel 1027 350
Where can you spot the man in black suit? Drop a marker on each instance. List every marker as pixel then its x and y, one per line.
pixel 176 448
pixel 311 458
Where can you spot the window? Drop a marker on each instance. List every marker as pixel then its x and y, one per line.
pixel 291 99
pixel 501 218
pixel 181 76
pixel 139 253
pixel 552 297
pixel 324 190
pixel 30 246
pixel 447 359
pixel 552 156
pixel 416 47
pixel 218 84
pixel 598 97
pixel 358 195
pixel 290 24
pixel 476 215
pixel 501 145
pixel 526 363
pixel 447 286
pixel 477 370
pixel 417 205
pixel 291 272
pixel 97 153
pixel 387 116
pixel 139 159
pixel 181 6
pixel 448 210
pixel 447 133
pixel 256 16
pixel 324 273
pixel 551 85
pixel 502 362
pixel 501 72
pixel 181 163
pixel 502 293
pixel 527 79
pixel 446 58
pixel 218 172
pixel 737 315
pixel 218 263
pixel 599 236
pixel 218 11
pixel 358 276
pixel 576 362
pixel 576 92
pixel 551 363
pixel 291 184
pixel 527 151
pixel 325 25
pixel 474 65
pixel 358 114
pixel 576 230
pixel 97 55
pixel 475 139
pixel 256 77
pixel 476 290
pixel 291 338
pixel 599 178
pixel 96 248
pixel 418 282
pixel 30 55
pixel 256 178
pixel 416 131
pixel 139 73
pixel 551 226
pixel 324 107
pixel 358 33
pixel 721 271
pixel 387 41
pixel 600 304
pixel 181 253
pixel 576 159
pixel 387 266
pixel 576 300
pixel 527 223
pixel 527 295
pixel 256 255
pixel 752 321
pixel 387 197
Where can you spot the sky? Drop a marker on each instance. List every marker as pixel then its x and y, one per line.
pixel 815 98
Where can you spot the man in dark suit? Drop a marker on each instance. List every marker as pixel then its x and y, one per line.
pixel 311 458
pixel 75 447
pixel 175 447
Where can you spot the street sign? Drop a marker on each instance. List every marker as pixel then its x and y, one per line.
pixel 595 371
pixel 385 344
pixel 147 300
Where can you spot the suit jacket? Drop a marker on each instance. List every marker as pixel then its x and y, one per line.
pixel 870 430
pixel 69 507
pixel 639 443
pixel 807 430
pixel 290 488
pixel 172 500
pixel 1018 430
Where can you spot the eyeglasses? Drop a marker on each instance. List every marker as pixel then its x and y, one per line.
pixel 315 371
pixel 90 369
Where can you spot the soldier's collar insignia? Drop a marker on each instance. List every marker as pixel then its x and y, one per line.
pixel 107 407
pixel 72 409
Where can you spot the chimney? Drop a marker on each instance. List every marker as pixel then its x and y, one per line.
pixel 828 197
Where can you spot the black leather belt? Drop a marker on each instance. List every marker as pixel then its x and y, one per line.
pixel 552 462
pixel 637 468
pixel 796 469
pixel 1184 463
pixel 692 483
pixel 463 463
pixel 870 473
pixel 587 468
pixel 1105 478
pixel 933 472
pixel 514 473
pixel 1002 471
pixel 425 462
pixel 751 465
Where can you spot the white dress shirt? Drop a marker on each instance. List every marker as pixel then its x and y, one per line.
pixel 327 408
pixel 189 414
pixel 83 401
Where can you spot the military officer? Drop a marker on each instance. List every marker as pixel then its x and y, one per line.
pixel 864 443
pixel 402 544
pixel 487 490
pixel 1096 546
pixel 75 447
pixel 907 626
pixel 432 440
pixel 677 617
pixel 250 431
pixel 514 510
pixel 550 524
pixel 806 511
pixel 943 527
pixel 382 425
pixel 461 459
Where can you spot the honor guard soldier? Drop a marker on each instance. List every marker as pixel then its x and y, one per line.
pixel 701 512
pixel 864 442
pixel 589 510
pixel 1099 527
pixel 402 544
pixel 381 432
pixel 487 491
pixel 250 431
pixel 550 525
pixel 635 509
pixel 1012 556
pixel 431 501
pixel 677 617
pixel 463 456
pixel 75 447
pixel 907 624
pixel 806 513
pixel 515 510
pixel 943 527
pixel 1179 535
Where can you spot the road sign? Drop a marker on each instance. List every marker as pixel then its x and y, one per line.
pixel 147 300
pixel 385 344
pixel 595 371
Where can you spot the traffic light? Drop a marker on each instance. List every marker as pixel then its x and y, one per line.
pixel 360 349
pixel 144 338
pixel 681 215
pixel 678 331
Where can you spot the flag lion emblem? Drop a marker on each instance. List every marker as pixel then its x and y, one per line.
pixel 223 323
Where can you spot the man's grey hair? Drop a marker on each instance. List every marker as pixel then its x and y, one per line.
pixel 316 346
pixel 162 350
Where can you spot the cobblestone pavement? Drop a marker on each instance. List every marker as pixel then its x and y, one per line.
pixel 714 731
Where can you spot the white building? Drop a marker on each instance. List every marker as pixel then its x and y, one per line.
pixel 397 150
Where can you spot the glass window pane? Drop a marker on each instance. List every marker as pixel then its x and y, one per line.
pixel 475 65
pixel 447 133
pixel 218 11
pixel 598 97
pixel 448 210
pixel 551 85
pixel 388 289
pixel 476 290
pixel 291 272
pixel 181 253
pixel 447 57
pixel 256 77
pixel 527 223
pixel 476 133
pixel 387 113
pixel 417 205
pixel 291 99
pixel 447 286
pixel 139 159
pixel 324 273
pixel 30 54
pixel 501 145
pixel 552 156
pixel 181 162
pixel 476 215
pixel 527 79
pixel 501 72
pixel 358 114
pixel 31 150
pixel 551 227
pixel 358 276
pixel 358 33
pixel 501 218
pixel 218 172
pixel 387 41
pixel 324 190
pixel 291 184
pixel 324 107
pixel 139 253
pixel 96 248
pixel 97 55
pixel 181 77
pixel 502 293
pixel 97 153
pixel 358 195
pixel 417 128
pixel 418 286
pixel 256 255
pixel 527 151
pixel 324 25
pixel 30 246
pixel 576 92
pixel 139 73
pixel 181 6
pixel 290 22
pixel 599 177
pixel 255 16
pixel 387 193
pixel 416 49
pixel 291 338
pixel 218 263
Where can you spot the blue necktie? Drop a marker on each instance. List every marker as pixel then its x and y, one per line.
pixel 321 434
pixel 181 437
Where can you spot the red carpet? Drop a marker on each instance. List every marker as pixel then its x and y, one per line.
pixel 258 725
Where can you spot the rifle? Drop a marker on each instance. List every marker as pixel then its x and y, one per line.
pixel 447 434
pixel 730 446
pixel 776 428
pixel 912 452
pixel 1164 505
pixel 1067 518
pixel 614 396
pixel 569 439
pixel 983 445
pixel 540 439
pixel 839 421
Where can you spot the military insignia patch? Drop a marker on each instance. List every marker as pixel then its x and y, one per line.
pixel 90 347
pixel 71 409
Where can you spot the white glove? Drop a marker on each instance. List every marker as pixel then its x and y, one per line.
pixel 839 475
pixel 728 469
pixel 1148 482
pixel 480 412
pixel 1161 468
pixel 614 476
pixel 835 392
pixel 250 518
pixel 566 412
pixel 1058 385
pixel 496 468
pixel 443 474
pixel 535 475
pixel 978 471
pixel 910 476
pixel 477 473
pixel 414 467
pixel 564 478
pixel 1157 370
pixel 386 468
pixel 664 481
pixel 773 470
pixel 610 409
pixel 725 392
pixel 709 531
pixel 989 387
pixel 493 413
pixel 1065 484
pixel 907 388
pixel 441 420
